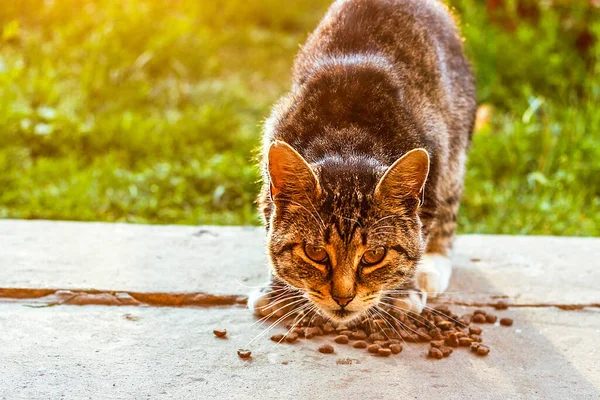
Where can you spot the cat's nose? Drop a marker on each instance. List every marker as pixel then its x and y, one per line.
pixel 343 301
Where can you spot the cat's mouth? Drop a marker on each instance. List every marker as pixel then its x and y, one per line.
pixel 342 315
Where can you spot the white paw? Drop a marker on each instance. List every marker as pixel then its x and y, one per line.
pixel 433 274
pixel 258 302
pixel 414 302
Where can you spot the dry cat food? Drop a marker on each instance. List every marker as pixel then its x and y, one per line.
pixel 385 336
pixel 220 332
pixel 341 339
pixel 278 337
pixel 384 352
pixel 243 353
pixel 326 349
pixel 506 322
pixel 501 305
pixel 434 352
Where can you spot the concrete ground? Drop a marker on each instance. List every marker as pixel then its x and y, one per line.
pixel 88 311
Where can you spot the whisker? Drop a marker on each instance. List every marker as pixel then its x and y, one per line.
pixel 296 320
pixel 442 314
pixel 252 287
pixel 401 310
pixel 400 322
pixel 266 317
pixel 386 321
pixel 264 332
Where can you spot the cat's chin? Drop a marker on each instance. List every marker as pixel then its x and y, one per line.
pixel 341 316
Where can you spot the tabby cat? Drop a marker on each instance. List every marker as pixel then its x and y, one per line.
pixel 364 159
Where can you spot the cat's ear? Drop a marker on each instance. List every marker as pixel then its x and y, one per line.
pixel 290 174
pixel 406 177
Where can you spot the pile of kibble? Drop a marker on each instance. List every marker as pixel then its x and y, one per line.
pixel 443 329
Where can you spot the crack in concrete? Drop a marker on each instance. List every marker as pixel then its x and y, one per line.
pixel 83 297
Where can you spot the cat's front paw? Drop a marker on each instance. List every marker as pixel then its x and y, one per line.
pixel 433 274
pixel 259 299
pixel 273 300
pixel 413 302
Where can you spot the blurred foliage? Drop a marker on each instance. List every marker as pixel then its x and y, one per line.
pixel 150 110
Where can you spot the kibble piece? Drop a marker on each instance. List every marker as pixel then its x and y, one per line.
pixel 326 349
pixel 483 350
pixel 490 318
pixel 396 348
pixel 347 332
pixel 328 328
pixel 384 352
pixel 220 332
pixel 480 311
pixel 501 305
pixel 476 338
pixel 291 338
pixel 376 336
pixel 452 340
pixel 312 332
pixel 298 331
pixel 506 321
pixel 374 348
pixel 436 343
pixel 478 318
pixel 243 353
pixel 341 328
pixel 341 339
pixel 434 352
pixel 465 341
pixel 361 344
pixel 359 335
pixel 474 347
pixel 442 308
pixel 277 338
pixel 445 325
pixel 475 330
pixel 446 351
pixel 436 334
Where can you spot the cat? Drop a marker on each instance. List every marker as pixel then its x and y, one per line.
pixel 363 161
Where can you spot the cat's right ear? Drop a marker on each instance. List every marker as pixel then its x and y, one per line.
pixel 291 176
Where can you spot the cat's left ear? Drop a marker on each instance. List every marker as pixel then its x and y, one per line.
pixel 406 177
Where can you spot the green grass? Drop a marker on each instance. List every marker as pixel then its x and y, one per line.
pixel 150 111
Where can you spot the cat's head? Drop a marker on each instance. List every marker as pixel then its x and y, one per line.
pixel 345 231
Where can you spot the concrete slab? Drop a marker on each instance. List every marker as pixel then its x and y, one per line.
pixel 101 352
pixel 128 257
pixel 229 260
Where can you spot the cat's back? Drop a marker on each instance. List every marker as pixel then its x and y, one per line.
pixel 419 37
pixel 388 75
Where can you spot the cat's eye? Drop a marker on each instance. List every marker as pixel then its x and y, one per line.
pixel 316 253
pixel 373 256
